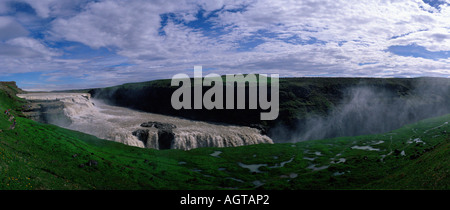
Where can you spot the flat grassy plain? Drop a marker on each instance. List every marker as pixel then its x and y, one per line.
pixel 36 156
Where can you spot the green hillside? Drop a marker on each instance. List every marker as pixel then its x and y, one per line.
pixel 41 156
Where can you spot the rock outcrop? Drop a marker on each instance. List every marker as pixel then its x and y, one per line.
pixel 165 138
pixel 159 125
pixel 165 134
pixel 142 135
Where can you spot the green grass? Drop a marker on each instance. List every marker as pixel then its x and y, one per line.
pixel 41 156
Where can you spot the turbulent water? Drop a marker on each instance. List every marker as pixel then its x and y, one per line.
pixel 117 124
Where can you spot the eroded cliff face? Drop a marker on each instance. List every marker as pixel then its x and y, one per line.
pixel 54 108
pixel 77 111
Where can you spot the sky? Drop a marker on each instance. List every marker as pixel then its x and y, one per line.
pixel 76 44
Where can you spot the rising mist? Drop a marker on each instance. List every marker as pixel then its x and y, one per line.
pixel 369 109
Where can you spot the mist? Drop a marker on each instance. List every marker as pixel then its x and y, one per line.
pixel 370 109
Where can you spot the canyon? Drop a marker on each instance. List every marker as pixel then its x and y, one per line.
pixel 81 112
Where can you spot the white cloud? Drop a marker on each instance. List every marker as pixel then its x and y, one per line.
pixel 54 8
pixel 3 7
pixel 9 28
pixel 42 7
pixel 293 38
pixel 18 52
pixel 33 45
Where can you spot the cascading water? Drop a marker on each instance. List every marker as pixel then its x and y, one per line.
pixel 117 124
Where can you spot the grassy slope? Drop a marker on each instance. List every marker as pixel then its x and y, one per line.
pixel 41 156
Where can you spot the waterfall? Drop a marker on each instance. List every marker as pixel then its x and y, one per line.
pixel 119 124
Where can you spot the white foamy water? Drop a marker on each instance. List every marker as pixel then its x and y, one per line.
pixel 117 124
pixel 369 148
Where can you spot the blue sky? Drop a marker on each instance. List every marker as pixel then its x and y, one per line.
pixel 418 52
pixel 72 44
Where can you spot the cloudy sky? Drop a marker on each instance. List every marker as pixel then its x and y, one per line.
pixel 67 44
